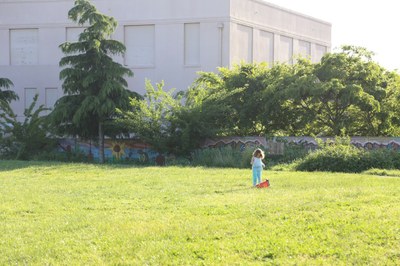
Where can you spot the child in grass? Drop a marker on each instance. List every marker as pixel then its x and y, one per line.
pixel 257 165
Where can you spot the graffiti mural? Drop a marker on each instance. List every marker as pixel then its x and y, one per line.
pixel 118 150
pixel 275 146
pixel 368 143
pixel 235 142
pixel 135 150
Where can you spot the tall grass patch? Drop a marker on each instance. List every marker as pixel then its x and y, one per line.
pixel 222 157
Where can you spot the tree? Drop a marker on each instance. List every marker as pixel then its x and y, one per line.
pixel 6 96
pixel 21 140
pixel 233 98
pixel 324 97
pixel 151 118
pixel 93 83
pixel 366 88
pixel 346 91
pixel 389 117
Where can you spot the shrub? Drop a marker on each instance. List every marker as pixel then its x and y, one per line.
pixel 341 156
pixel 23 140
pixel 335 158
pixel 72 156
pixel 381 159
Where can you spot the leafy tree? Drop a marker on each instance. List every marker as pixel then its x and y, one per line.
pixel 277 112
pixel 6 96
pixel 368 86
pixel 23 140
pixel 93 83
pixel 329 99
pixel 389 116
pixel 210 105
pixel 232 98
pixel 152 117
pixel 205 114
pixel 344 92
pixel 248 81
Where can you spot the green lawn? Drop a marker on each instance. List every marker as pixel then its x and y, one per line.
pixel 78 214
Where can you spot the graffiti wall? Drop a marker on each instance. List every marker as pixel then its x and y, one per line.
pixel 128 150
pixel 275 146
pixel 369 143
pixel 135 150
pixel 235 142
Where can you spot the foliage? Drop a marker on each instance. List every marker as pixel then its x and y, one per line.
pixel 334 158
pixel 345 92
pixel 6 96
pixel 152 118
pixel 82 214
pixel 23 140
pixel 55 155
pixel 338 94
pixel 93 83
pixel 231 100
pixel 341 156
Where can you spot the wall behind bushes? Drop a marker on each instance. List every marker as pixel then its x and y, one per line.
pixel 135 150
pixel 115 150
pixel 368 143
pixel 276 145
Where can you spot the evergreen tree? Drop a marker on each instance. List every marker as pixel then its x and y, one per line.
pixel 93 83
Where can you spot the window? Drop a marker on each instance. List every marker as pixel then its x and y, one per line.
pixel 267 47
pixel 51 97
pixel 192 44
pixel 286 50
pixel 29 94
pixel 24 46
pixel 140 45
pixel 319 52
pixel 304 49
pixel 244 44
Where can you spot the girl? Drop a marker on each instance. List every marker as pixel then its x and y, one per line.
pixel 257 165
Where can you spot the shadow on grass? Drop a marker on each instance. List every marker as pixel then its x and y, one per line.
pixel 9 165
pixel 246 188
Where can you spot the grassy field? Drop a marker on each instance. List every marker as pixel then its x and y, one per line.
pixel 78 214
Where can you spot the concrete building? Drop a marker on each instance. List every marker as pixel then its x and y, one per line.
pixel 168 40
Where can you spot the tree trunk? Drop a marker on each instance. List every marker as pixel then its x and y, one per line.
pixel 101 143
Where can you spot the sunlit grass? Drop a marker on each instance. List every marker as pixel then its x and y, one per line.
pixel 78 214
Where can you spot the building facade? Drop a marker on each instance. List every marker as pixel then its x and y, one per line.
pixel 168 40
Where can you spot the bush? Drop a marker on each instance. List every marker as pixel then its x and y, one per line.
pixel 23 140
pixel 72 156
pixel 335 158
pixel 341 156
pixel 381 159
